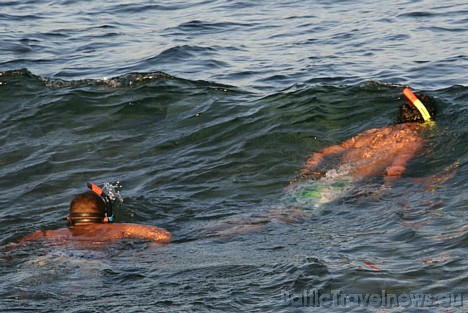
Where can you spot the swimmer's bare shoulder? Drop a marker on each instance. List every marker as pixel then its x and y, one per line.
pixel 123 230
pixel 153 233
pixel 103 232
pixel 367 138
pixel 409 132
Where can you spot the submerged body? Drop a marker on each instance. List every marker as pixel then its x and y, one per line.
pixel 378 155
pixel 360 165
pixel 375 152
pixel 334 171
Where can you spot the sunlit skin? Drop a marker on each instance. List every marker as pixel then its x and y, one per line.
pixel 102 233
pixel 379 152
pixel 383 151
pixel 94 228
pixel 375 152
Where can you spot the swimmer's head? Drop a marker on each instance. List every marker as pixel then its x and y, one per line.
pixel 409 113
pixel 86 208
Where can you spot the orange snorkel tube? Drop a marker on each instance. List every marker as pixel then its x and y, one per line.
pixel 109 212
pixel 417 103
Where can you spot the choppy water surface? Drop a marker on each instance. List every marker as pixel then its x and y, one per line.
pixel 204 111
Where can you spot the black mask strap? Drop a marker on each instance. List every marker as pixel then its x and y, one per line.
pixel 86 218
pixel 98 190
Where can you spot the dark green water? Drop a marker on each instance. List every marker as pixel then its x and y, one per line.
pixel 208 116
pixel 201 160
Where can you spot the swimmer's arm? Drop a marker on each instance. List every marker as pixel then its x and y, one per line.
pixel 313 162
pixel 398 166
pixel 355 142
pixel 38 234
pixel 30 237
pixel 153 233
pixel 317 157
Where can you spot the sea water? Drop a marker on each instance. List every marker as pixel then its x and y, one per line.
pixel 205 111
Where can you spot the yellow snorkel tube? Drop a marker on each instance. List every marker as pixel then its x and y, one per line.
pixel 417 103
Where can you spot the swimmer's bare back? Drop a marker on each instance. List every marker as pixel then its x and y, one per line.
pixel 101 233
pixel 379 151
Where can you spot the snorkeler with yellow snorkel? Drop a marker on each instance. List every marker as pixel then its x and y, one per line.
pixel 331 172
pixel 378 155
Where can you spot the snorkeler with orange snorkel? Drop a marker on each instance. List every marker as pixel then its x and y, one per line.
pixel 91 222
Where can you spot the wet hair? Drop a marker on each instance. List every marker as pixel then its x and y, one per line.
pixel 409 113
pixel 87 207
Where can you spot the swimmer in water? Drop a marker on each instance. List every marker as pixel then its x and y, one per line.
pixel 91 221
pixel 330 173
pixel 333 172
pixel 379 151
